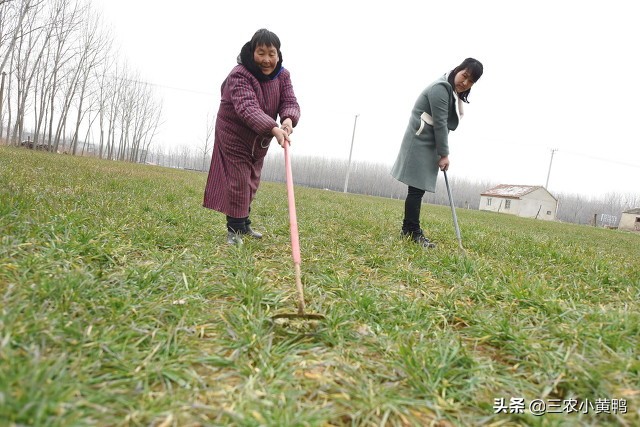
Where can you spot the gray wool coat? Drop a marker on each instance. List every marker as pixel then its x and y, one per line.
pixel 423 144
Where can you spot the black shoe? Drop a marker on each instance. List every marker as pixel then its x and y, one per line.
pixel 234 238
pixel 419 238
pixel 251 232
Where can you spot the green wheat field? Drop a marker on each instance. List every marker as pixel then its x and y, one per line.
pixel 122 305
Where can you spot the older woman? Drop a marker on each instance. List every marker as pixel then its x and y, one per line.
pixel 255 92
pixel 425 146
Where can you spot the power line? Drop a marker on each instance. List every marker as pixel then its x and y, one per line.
pixel 537 147
pixel 602 159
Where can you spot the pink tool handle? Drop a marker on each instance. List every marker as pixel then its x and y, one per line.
pixel 293 219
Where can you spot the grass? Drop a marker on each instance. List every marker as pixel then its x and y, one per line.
pixel 122 305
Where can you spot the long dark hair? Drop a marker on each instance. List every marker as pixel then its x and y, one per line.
pixel 475 69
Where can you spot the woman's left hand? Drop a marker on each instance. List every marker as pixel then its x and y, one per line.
pixel 287 126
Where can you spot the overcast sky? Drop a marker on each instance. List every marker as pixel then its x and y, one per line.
pixel 557 75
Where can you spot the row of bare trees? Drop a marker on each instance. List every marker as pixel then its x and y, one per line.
pixel 375 179
pixel 63 83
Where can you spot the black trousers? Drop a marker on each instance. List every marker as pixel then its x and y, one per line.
pixel 238 225
pixel 412 205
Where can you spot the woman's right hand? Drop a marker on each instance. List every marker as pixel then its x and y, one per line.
pixel 281 136
pixel 443 164
pixel 287 126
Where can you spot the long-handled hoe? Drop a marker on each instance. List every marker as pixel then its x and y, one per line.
pixel 295 248
pixel 453 211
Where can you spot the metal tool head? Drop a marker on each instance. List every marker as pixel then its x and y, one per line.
pixel 305 316
pixel 295 324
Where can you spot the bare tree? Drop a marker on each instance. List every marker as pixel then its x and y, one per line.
pixel 208 143
pixel 12 16
pixel 147 128
pixel 92 43
pixel 141 117
pixel 11 64
pixel 104 87
pixel 116 94
pixel 8 14
pixel 156 114
pixel 42 87
pixel 33 36
pixel 64 24
pixel 127 111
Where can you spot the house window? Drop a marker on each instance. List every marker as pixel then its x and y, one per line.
pixel 489 201
pixel 548 212
pixel 507 204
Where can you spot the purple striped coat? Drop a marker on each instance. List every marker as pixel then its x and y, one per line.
pixel 247 114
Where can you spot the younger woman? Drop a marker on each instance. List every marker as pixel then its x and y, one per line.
pixel 425 146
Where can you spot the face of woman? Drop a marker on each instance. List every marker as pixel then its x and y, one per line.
pixel 463 81
pixel 266 58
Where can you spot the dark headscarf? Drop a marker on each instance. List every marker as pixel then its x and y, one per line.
pixel 246 58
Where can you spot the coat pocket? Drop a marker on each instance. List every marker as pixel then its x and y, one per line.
pixel 424 118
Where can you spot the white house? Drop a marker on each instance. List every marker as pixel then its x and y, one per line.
pixel 630 220
pixel 529 201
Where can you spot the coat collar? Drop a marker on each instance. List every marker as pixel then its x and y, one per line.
pixel 460 110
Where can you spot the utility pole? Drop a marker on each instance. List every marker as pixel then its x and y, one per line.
pixel 346 180
pixel 553 150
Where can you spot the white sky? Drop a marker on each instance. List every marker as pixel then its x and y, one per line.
pixel 557 75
